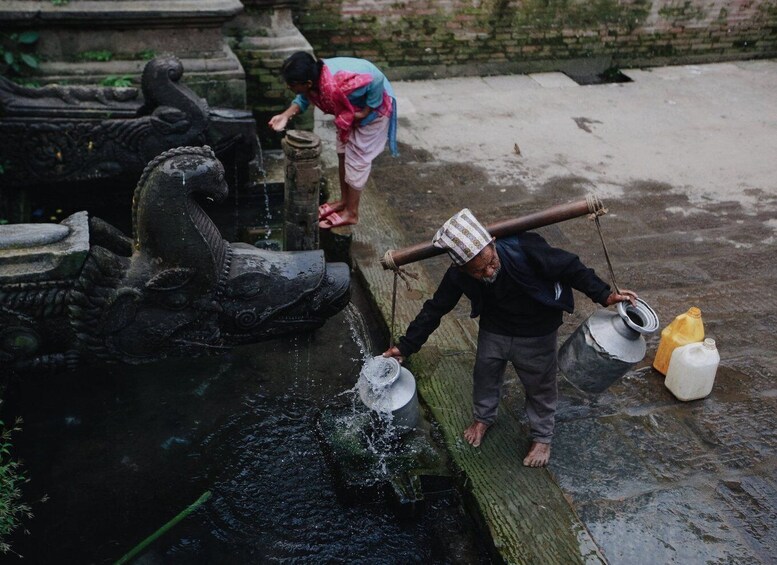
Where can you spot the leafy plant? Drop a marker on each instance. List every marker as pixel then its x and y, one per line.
pixel 27 82
pixel 17 53
pixel 145 55
pixel 117 80
pixel 102 55
pixel 59 2
pixel 12 510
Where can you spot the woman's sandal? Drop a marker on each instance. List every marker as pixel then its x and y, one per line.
pixel 334 220
pixel 325 210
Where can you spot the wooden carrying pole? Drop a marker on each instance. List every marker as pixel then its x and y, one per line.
pixel 591 205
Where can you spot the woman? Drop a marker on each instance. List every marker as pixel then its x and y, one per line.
pixel 362 101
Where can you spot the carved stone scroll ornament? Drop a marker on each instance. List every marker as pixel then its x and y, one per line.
pixel 73 133
pixel 176 288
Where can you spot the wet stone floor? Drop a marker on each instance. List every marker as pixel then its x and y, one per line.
pixel 680 482
pixel 654 480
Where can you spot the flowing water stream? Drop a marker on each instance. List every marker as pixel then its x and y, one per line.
pixel 121 450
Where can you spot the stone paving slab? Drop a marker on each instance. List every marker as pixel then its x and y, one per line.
pixel 554 80
pixel 663 526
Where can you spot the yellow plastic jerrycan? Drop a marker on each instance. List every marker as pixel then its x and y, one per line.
pixel 685 328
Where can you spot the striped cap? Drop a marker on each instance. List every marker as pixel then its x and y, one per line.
pixel 462 236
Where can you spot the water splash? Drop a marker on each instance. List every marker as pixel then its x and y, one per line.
pixel 263 179
pixel 236 177
pixel 300 369
pixel 358 330
pixel 374 428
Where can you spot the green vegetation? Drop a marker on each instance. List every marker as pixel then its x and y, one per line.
pixel 117 80
pixel 59 2
pixel 682 13
pixel 26 82
pixel 102 55
pixel 145 55
pixel 17 54
pixel 12 509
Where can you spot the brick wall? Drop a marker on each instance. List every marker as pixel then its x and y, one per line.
pixel 418 39
pixel 421 39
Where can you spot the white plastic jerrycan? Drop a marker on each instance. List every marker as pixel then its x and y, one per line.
pixel 692 369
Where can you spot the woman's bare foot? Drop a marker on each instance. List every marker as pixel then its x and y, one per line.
pixel 538 456
pixel 328 207
pixel 474 434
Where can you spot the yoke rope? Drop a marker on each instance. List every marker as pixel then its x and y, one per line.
pixel 597 209
pixel 388 260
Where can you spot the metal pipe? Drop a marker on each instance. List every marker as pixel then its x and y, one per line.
pixel 503 228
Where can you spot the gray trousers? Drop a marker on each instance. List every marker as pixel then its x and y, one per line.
pixel 534 359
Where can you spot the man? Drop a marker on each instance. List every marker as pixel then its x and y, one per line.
pixel 519 286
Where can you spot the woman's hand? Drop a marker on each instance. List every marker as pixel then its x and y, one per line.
pixel 394 352
pixel 624 296
pixel 279 122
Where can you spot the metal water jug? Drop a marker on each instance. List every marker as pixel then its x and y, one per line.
pixel 607 345
pixel 386 387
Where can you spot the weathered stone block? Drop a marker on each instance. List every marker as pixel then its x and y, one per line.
pixel 44 252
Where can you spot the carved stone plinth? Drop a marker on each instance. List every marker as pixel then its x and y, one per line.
pixel 87 41
pixel 301 190
pixel 265 35
pixel 69 135
pixel 43 252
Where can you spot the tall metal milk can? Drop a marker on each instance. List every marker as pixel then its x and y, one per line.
pixel 607 345
pixel 386 387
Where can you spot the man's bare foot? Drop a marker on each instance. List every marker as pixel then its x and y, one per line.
pixel 538 456
pixel 474 434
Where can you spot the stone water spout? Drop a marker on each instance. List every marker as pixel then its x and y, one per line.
pixel 81 290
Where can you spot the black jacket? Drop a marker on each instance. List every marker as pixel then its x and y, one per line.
pixel 547 274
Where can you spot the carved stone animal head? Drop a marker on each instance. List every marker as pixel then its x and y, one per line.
pixel 184 289
pixel 272 293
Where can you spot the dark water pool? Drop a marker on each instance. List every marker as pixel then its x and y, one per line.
pixel 121 450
